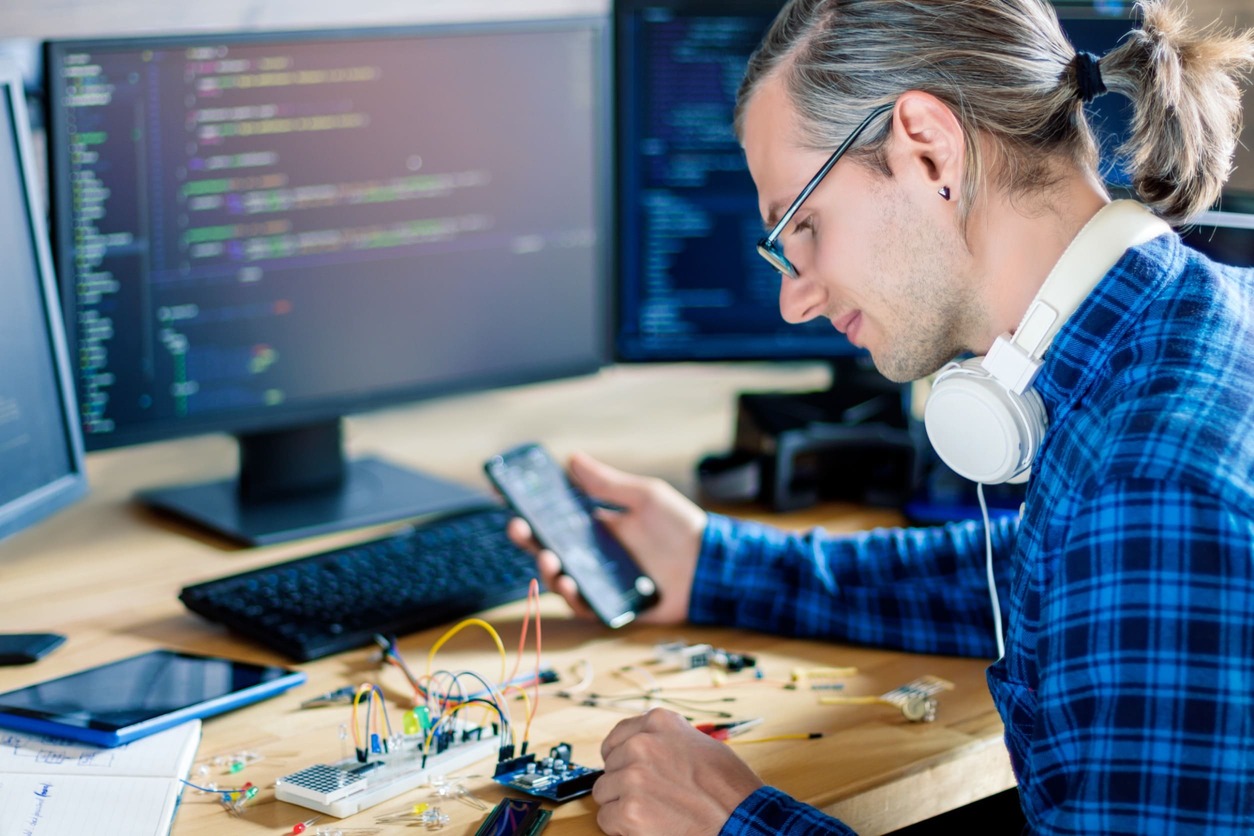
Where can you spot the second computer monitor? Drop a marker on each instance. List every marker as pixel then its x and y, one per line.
pixel 262 232
pixel 691 285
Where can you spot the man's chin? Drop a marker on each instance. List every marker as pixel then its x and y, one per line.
pixel 901 372
pixel 889 370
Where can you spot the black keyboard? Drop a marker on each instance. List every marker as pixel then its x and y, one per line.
pixel 417 578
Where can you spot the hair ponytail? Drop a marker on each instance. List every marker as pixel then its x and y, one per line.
pixel 1184 87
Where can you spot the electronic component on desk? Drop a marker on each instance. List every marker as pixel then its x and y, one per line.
pixel 733 662
pixel 914 700
pixel 724 731
pixel 554 777
pixel 349 786
pixel 683 655
pixel 515 817
pixel 340 696
pixel 680 654
pixel 915 697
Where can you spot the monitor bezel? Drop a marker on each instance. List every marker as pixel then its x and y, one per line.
pixel 33 507
pixel 252 419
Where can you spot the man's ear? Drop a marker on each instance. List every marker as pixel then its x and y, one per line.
pixel 928 143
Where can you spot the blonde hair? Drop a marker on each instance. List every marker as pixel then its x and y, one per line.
pixel 1007 71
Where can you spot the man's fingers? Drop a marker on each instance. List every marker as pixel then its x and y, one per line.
pixel 550 569
pixel 520 533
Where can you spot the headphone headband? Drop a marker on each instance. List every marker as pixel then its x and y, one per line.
pixel 1015 359
pixel 983 418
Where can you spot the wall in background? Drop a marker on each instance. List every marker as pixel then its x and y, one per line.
pixel 62 18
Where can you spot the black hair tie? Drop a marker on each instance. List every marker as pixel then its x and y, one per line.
pixel 1088 76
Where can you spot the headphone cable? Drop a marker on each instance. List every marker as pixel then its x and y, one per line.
pixel 992 584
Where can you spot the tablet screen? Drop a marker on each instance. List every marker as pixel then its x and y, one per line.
pixel 131 691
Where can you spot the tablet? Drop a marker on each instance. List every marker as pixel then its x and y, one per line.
pixel 121 701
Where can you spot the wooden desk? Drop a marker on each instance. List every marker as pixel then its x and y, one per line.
pixel 107 573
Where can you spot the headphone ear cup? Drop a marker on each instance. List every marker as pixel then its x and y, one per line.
pixel 980 429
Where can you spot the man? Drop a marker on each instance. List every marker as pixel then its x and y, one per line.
pixel 1127 681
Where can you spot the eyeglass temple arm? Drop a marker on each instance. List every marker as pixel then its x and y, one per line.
pixel 827 166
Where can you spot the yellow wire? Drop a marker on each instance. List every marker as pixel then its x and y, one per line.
pixel 801 736
pixel 469 622
pixel 853 701
pixel 364 688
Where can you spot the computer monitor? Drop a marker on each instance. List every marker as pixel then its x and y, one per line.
pixel 41 447
pixel 260 233
pixel 690 283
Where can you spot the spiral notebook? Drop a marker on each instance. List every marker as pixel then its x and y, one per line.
pixel 56 787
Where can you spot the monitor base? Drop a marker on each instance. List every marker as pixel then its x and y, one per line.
pixel 373 492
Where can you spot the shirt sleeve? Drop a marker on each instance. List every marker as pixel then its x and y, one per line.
pixel 923 590
pixel 769 812
pixel 1146 684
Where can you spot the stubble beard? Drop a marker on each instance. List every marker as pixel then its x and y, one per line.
pixel 928 300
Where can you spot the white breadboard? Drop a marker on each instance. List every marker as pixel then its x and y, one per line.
pixel 346 787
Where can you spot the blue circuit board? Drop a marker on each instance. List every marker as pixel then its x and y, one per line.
pixel 553 778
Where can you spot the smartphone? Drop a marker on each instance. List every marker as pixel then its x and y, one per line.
pixel 559 514
pixel 24 648
pixel 116 703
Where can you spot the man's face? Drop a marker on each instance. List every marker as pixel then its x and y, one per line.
pixel 888 271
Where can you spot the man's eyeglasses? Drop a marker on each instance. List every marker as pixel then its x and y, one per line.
pixel 769 247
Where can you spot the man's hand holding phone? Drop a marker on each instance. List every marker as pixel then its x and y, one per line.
pixel 655 523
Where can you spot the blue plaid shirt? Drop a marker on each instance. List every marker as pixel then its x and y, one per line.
pixel 1127 688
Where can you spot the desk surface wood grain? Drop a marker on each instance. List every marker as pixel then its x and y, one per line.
pixel 107 572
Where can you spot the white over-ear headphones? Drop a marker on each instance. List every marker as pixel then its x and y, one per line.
pixel 983 418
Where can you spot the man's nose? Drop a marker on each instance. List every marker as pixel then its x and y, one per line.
pixel 800 298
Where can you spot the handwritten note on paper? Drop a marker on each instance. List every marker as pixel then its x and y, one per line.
pixel 159 755
pixel 55 787
pixel 73 804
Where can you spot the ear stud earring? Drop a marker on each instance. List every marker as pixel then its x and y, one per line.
pixel 944 192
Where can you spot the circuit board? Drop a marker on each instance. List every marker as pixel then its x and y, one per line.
pixel 553 778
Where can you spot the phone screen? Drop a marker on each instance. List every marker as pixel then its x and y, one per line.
pixel 122 700
pixel 538 490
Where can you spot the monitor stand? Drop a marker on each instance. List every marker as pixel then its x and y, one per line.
pixel 852 441
pixel 296 483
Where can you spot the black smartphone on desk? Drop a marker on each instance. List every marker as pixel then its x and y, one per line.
pixel 24 648
pixel 559 514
